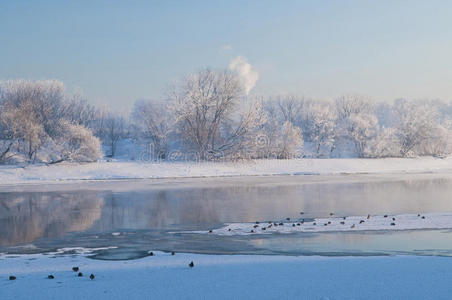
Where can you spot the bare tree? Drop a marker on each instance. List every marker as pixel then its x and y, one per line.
pixel 115 129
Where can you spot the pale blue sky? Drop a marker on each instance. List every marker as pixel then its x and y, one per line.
pixel 119 51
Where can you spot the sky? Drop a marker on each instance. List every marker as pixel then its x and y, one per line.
pixel 116 52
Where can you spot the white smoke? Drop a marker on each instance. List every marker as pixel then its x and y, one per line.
pixel 248 76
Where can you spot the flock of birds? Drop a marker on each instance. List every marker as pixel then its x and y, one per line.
pixel 255 228
pixel 300 222
pixel 80 274
pixel 51 276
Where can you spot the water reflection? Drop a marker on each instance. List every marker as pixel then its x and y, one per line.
pixel 147 214
pixel 25 217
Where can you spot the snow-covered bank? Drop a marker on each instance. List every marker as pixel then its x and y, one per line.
pixel 142 170
pixel 164 276
pixel 349 223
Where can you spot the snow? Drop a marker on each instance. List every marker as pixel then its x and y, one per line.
pixel 349 223
pixel 164 276
pixel 105 170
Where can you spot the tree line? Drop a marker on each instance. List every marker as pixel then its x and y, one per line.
pixel 209 116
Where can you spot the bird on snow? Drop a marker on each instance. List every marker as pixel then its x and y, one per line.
pixel 51 276
pixel 91 276
pixel 80 274
pixel 191 265
pixel 75 269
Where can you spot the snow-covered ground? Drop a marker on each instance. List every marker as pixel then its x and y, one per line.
pixel 130 170
pixel 164 276
pixel 349 223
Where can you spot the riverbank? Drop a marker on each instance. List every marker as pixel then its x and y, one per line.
pixel 164 276
pixel 64 172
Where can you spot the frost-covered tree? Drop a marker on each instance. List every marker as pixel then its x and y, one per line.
pixel 439 143
pixel 356 122
pixel 30 117
pixel 415 124
pixel 280 137
pixel 290 141
pixel 319 119
pixel 154 122
pixel 360 129
pixel 384 144
pixel 209 113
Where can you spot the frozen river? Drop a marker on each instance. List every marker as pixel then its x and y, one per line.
pixel 135 216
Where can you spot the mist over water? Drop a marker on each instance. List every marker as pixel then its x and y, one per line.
pixel 150 215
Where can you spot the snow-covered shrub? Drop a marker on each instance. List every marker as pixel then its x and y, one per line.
pixel 77 143
pixel 438 144
pixel 384 144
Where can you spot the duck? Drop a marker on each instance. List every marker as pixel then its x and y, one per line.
pixel 393 219
pixel 173 253
pixel 361 221
pixel 91 276
pixel 255 226
pixel 392 224
pixel 293 225
pixel 210 231
pixel 423 217
pixel 298 224
pixel 151 253
pixel 263 228
pixel 191 264
pixel 281 224
pixel 252 231
pixel 287 219
pixel 75 269
pixel 314 223
pixel 51 276
pixel 331 214
pixel 12 277
pixel 342 222
pixel 301 213
pixel 353 226
pixel 257 222
pixel 329 222
pixel 368 217
pixel 229 229
pixel 385 216
pixel 80 274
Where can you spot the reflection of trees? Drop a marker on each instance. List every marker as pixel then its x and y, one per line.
pixel 25 217
pixel 159 209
